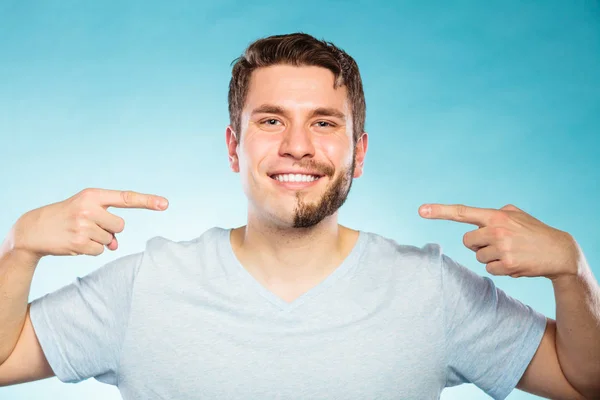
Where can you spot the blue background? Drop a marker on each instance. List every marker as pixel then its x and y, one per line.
pixel 481 103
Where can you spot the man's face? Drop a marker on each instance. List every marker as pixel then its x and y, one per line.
pixel 296 157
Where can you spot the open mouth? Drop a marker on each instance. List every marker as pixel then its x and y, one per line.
pixel 295 177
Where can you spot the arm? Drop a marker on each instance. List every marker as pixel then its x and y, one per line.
pixel 78 225
pixel 567 363
pixel 544 376
pixel 578 328
pixel 511 242
pixel 16 274
pixel 27 361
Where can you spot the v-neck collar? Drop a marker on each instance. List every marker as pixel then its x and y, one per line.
pixel 233 264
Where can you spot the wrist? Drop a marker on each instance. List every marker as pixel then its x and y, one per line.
pixel 571 280
pixel 574 262
pixel 14 245
pixel 564 280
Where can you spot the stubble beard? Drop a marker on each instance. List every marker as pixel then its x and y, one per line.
pixel 307 215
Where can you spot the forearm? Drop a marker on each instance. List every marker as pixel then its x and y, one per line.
pixel 578 328
pixel 16 273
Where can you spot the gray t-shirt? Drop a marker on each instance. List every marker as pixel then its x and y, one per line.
pixel 185 320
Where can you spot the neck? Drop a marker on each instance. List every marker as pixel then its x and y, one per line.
pixel 281 255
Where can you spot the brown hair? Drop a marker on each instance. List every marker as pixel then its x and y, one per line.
pixel 298 49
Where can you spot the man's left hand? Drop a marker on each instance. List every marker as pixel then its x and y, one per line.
pixel 511 242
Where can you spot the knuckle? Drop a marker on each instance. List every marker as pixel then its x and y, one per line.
pixel 479 257
pixel 499 218
pixel 461 210
pixel 509 262
pixel 120 225
pixel 127 196
pixel 105 237
pixel 96 249
pixel 505 246
pixel 83 213
pixel 87 193
pixel 511 208
pixel 79 241
pixel 81 224
pixel 109 238
pixel 491 269
pixel 466 240
pixel 499 233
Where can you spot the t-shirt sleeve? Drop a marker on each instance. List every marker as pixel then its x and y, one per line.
pixel 81 326
pixel 490 336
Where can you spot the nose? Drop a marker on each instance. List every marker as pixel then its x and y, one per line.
pixel 297 143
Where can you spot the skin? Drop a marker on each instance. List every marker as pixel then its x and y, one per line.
pixel 292 239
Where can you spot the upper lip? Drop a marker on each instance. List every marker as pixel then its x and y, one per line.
pixel 272 174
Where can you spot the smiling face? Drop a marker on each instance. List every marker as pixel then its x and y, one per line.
pixel 296 157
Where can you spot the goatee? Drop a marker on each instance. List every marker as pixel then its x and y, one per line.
pixel 307 215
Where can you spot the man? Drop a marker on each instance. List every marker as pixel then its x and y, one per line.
pixel 293 305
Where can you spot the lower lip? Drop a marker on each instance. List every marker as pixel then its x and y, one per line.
pixel 296 185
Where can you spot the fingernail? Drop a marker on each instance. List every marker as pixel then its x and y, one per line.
pixel 425 210
pixel 161 203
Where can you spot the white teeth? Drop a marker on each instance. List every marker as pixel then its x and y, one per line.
pixel 295 178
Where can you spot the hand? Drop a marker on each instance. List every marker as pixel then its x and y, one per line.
pixel 512 242
pixel 80 224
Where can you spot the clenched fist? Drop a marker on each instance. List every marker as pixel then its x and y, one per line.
pixel 80 224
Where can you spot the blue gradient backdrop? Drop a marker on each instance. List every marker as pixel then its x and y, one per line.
pixel 482 103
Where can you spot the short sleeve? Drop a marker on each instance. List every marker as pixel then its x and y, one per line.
pixel 490 336
pixel 81 326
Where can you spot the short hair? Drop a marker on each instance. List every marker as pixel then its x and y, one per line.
pixel 297 49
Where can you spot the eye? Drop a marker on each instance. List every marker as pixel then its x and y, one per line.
pixel 271 122
pixel 324 124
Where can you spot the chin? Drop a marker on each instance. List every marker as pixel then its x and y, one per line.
pixel 282 222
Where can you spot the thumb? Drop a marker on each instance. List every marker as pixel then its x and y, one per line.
pixel 510 207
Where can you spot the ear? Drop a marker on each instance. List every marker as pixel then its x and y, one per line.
pixel 232 144
pixel 361 151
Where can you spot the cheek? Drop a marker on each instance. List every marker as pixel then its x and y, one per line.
pixel 337 151
pixel 254 150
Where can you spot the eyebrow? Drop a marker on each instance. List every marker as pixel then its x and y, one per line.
pixel 317 112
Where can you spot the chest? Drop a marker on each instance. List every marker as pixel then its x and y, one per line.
pixel 334 348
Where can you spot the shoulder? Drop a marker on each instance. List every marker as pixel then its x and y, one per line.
pixel 428 257
pixel 158 246
pixel 181 259
pixel 387 251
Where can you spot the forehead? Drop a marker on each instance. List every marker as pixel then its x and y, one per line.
pixel 294 88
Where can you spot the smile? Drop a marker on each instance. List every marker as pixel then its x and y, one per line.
pixel 295 177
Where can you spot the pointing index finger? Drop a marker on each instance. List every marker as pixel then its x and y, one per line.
pixel 132 199
pixel 457 212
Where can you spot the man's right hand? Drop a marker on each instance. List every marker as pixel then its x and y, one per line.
pixel 80 224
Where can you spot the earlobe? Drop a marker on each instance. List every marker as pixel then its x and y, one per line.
pixel 361 151
pixel 233 162
pixel 232 144
pixel 358 170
